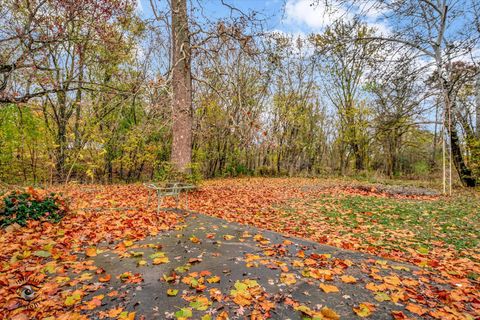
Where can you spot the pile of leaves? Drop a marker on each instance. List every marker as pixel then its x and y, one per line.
pixel 21 206
pixel 52 253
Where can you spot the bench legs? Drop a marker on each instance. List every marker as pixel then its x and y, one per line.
pixel 148 200
pixel 159 201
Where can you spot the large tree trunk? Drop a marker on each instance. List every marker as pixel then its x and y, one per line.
pixel 359 163
pixel 181 155
pixel 465 173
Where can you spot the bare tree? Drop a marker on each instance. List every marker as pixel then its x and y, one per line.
pixel 347 63
pixel 398 96
pixel 438 32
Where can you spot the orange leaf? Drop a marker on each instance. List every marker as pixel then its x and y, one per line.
pixel 328 288
pixel 415 308
pixel 348 279
pixel 112 313
pixel 398 315
pixel 329 314
pixel 91 252
pixel 393 280
pixel 106 278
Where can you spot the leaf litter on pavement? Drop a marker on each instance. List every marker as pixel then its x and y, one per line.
pixel 434 241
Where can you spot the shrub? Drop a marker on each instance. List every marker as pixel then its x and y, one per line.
pixel 21 206
pixel 266 171
pixel 195 175
pixel 421 168
pixel 166 173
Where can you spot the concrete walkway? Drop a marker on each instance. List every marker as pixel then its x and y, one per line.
pixel 270 275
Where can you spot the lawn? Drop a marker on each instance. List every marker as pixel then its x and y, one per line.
pixel 453 221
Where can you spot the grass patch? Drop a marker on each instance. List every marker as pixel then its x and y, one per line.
pixel 454 221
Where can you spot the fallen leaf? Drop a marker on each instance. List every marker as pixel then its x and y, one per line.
pixel 328 288
pixel 288 278
pixel 105 278
pixel 415 308
pixel 172 292
pixel 348 279
pixel 91 252
pixel 364 309
pixel 214 279
pixel 160 260
pixel 329 314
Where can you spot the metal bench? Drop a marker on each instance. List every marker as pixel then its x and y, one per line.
pixel 171 189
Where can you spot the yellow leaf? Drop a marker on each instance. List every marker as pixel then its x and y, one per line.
pixel 73 299
pixel 127 316
pixel 161 260
pixel 382 296
pixel 364 309
pixel 288 278
pixel 128 243
pixel 172 292
pixel 214 279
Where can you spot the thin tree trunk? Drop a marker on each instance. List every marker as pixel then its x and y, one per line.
pixel 60 150
pixel 435 141
pixel 477 108
pixel 78 106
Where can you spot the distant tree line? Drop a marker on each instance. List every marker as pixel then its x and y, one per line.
pixel 93 91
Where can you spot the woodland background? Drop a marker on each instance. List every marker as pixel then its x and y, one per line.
pixel 86 92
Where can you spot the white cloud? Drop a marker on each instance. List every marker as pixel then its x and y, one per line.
pixel 139 7
pixel 381 29
pixel 315 17
pixel 302 12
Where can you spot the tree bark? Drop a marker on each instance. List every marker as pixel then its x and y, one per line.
pixel 61 139
pixel 477 107
pixel 181 155
pixel 465 173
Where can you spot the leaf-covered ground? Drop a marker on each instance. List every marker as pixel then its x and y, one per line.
pixel 439 236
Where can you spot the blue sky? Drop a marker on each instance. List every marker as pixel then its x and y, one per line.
pixel 291 16
pixel 295 17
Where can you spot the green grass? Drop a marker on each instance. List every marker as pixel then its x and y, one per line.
pixel 454 221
